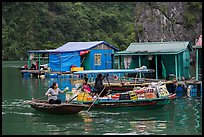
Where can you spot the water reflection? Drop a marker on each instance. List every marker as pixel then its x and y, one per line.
pixel 169 120
pixel 87 121
pixel 187 110
pixel 183 116
pixel 148 127
pixel 57 124
pixel 198 119
pixel 120 122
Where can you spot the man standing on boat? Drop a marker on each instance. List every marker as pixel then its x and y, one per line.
pixel 98 87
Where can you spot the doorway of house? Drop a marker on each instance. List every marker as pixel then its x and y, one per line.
pixel 152 65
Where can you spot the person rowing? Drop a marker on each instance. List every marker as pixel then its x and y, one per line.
pixel 53 92
pixel 98 87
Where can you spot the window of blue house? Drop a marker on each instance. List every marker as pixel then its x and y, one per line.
pixel 97 59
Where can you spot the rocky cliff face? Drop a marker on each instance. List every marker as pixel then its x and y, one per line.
pixel 168 21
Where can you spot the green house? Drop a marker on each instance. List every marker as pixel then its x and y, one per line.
pixel 198 48
pixel 166 58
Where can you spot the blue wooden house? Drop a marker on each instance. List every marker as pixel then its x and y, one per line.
pixel 94 55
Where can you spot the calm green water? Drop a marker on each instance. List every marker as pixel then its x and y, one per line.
pixel 182 116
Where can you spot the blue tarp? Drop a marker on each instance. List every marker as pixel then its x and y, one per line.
pixel 62 62
pixel 80 46
pixel 62 58
pixel 74 46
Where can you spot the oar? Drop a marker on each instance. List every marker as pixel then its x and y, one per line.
pixel 95 100
pixel 39 98
pixel 28 101
pixel 72 98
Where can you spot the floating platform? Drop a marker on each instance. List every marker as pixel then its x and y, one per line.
pixel 38 73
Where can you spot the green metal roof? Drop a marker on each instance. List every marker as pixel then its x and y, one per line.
pixel 173 47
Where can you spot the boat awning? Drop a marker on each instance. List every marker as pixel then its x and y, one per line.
pixel 137 70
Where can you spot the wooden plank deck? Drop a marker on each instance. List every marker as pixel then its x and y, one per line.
pixel 44 71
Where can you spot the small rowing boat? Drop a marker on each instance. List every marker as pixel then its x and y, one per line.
pixel 61 109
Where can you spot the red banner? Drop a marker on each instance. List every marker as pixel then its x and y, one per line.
pixel 84 52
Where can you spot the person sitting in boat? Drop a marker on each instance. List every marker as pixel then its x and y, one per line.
pixel 36 64
pixel 86 86
pixel 53 92
pixel 98 87
pixel 32 66
pixel 25 66
pixel 174 86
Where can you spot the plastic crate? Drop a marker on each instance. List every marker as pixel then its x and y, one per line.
pixel 193 91
pixel 77 69
pixel 124 97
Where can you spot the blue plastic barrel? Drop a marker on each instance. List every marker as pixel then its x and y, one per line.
pixel 53 75
pixel 179 91
pixel 26 74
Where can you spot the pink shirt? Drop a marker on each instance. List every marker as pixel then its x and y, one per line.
pixel 86 87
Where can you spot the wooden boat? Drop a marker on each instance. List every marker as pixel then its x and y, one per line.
pixel 142 103
pixel 123 84
pixel 160 98
pixel 61 109
pixel 101 102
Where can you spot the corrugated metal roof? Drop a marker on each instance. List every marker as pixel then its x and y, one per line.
pixel 79 46
pixel 156 47
pixel 76 46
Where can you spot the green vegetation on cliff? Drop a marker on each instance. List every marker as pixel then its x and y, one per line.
pixel 48 25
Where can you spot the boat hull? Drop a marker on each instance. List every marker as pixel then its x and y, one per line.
pixel 136 104
pixel 60 109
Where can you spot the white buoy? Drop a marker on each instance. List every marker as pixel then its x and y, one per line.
pixel 42 76
pixel 67 88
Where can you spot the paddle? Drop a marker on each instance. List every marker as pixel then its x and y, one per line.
pixel 72 99
pixel 95 99
pixel 40 98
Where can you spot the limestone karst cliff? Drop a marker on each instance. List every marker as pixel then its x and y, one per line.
pixel 168 21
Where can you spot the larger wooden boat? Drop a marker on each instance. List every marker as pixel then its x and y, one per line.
pixel 120 84
pixel 153 95
pixel 136 104
pixel 61 109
